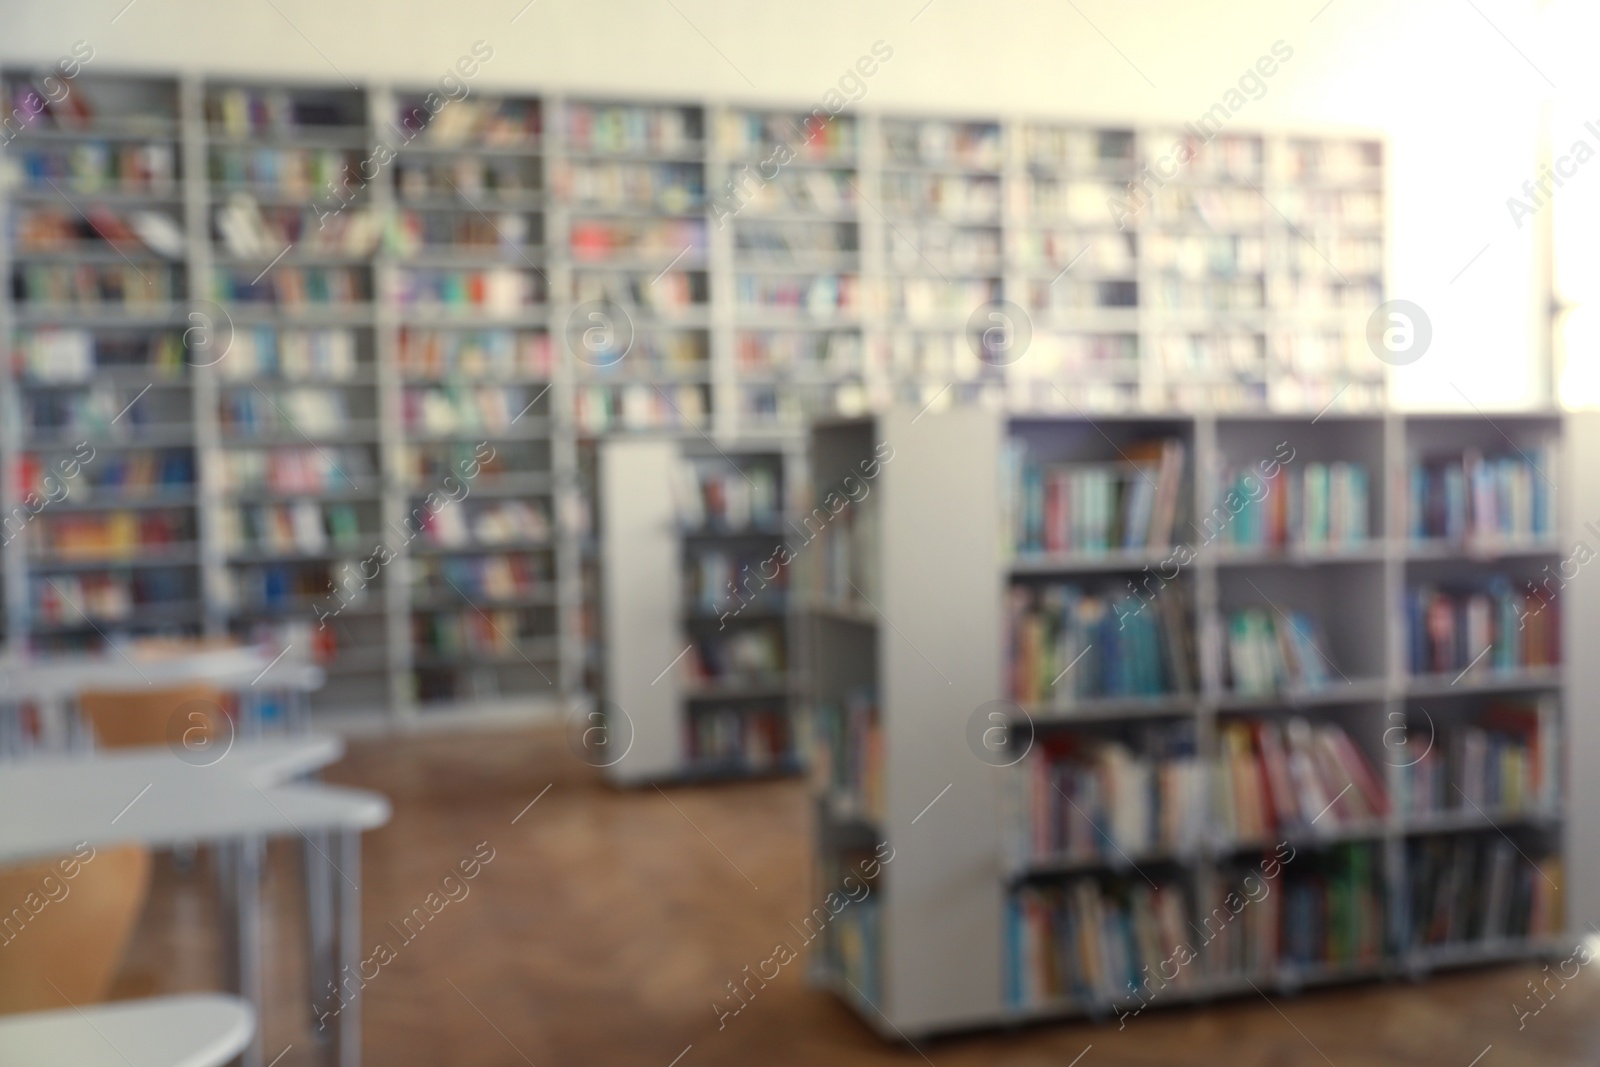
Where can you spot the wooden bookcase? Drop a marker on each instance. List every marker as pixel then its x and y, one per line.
pixel 909 595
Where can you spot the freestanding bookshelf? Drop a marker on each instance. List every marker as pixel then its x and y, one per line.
pixel 1399 790
pixel 694 611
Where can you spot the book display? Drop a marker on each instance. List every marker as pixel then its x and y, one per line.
pixel 1326 746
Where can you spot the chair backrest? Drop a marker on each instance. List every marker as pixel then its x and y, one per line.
pixel 122 719
pixel 65 923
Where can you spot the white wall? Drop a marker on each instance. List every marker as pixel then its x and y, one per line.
pixel 1442 78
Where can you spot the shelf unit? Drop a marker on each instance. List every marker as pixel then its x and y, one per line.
pixel 913 624
pixel 427 296
pixel 692 609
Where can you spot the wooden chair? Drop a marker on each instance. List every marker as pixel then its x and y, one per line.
pixel 62 939
pixel 155 716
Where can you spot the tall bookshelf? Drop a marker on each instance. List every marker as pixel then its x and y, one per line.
pixel 446 297
pixel 1072 727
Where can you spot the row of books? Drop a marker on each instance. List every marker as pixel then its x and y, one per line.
pixel 1053 249
pixel 1269 652
pixel 803 192
pixel 250 231
pixel 1068 295
pixel 1086 150
pixel 327 355
pixel 102 167
pixel 245 112
pixel 134 233
pixel 668 294
pixel 600 409
pixel 291 287
pixel 730 581
pixel 305 586
pixel 1092 507
pixel 1090 798
pixel 1208 255
pixel 499 123
pixel 410 233
pixel 499 576
pixel 822 353
pixel 657 354
pixel 1273 778
pixel 1481 887
pixel 766 240
pixel 101 410
pixel 820 296
pixel 1066 645
pixel 97 284
pixel 728 495
pixel 299 470
pixel 299 527
pixel 426 465
pixel 504 522
pixel 309 173
pixel 1478 631
pixel 475 354
pixel 70 600
pixel 750 739
pixel 1093 943
pixel 116 535
pixel 935 142
pixel 846 754
pixel 593 240
pixel 843 554
pixel 752 136
pixel 1327 910
pixel 946 196
pixel 27 101
pixel 301 410
pixel 674 188
pixel 466 175
pixel 457 409
pixel 1314 506
pixel 115 477
pixel 913 245
pixel 1503 761
pixel 618 129
pixel 60 355
pixel 1473 496
pixel 494 633
pixel 492 290
pixel 753 654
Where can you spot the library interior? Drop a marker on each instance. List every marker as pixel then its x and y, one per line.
pixel 690 533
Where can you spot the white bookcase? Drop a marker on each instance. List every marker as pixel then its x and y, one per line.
pixel 909 599
pixel 695 674
pixel 455 290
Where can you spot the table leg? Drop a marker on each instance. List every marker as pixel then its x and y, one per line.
pixel 349 903
pixel 247 893
pixel 319 927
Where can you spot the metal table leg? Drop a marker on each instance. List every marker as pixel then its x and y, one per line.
pixel 349 905
pixel 247 894
pixel 320 975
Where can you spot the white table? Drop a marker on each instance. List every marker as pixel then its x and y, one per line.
pixel 136 796
pixel 206 1030
pixel 52 682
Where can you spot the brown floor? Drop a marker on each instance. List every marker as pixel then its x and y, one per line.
pixel 607 923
